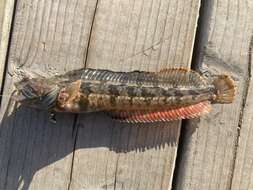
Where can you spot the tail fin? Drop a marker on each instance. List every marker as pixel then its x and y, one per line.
pixel 225 87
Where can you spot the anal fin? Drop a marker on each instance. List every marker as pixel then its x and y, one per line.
pixel 186 112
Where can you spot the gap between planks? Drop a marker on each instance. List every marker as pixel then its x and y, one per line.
pixel 200 41
pixel 75 126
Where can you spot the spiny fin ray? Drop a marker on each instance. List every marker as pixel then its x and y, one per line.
pixel 172 77
pixel 186 112
pixel 182 77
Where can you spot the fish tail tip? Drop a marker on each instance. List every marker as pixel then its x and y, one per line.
pixel 226 89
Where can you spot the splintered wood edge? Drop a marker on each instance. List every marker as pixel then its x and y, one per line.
pixel 242 171
pixel 242 175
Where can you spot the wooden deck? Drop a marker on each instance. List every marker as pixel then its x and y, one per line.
pixel 91 152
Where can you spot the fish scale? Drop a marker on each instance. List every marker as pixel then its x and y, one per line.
pixel 108 90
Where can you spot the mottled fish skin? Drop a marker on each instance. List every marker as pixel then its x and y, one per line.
pixel 108 90
pixel 137 96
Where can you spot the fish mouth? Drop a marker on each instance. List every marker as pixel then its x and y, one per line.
pixel 46 101
pixel 19 98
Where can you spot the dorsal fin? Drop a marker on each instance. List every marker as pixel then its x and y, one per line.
pixel 173 77
pixel 186 112
pixel 181 77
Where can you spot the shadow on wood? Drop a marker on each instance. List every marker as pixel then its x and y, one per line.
pixel 100 131
pixel 29 142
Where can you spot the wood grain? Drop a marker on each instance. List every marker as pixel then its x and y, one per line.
pixel 6 11
pixel 242 176
pixel 133 35
pixel 209 146
pixel 48 37
pixel 2 7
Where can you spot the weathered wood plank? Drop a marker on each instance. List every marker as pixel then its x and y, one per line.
pixel 2 7
pixel 48 37
pixel 133 35
pixel 209 145
pixel 6 10
pixel 242 176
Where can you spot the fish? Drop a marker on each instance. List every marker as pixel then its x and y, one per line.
pixel 134 97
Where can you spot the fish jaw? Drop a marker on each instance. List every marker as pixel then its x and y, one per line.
pixel 37 93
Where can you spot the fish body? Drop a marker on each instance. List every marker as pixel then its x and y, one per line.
pixel 108 90
pixel 128 94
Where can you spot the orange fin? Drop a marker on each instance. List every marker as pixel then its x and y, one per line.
pixel 226 88
pixel 186 112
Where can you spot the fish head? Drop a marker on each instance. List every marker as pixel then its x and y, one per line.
pixel 39 93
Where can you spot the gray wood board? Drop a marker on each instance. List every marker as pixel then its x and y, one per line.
pixel 48 37
pixel 243 171
pixel 2 6
pixel 133 35
pixel 6 11
pixel 209 146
